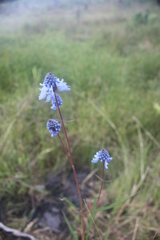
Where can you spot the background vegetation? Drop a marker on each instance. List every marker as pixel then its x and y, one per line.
pixel 109 53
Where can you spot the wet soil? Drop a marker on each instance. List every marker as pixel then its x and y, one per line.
pixel 45 211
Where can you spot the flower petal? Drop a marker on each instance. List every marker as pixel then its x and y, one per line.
pixel 96 158
pixel 54 103
pixel 106 164
pixel 49 97
pixel 109 159
pixel 62 86
pixel 42 94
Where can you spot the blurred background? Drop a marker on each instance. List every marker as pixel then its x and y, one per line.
pixel 108 52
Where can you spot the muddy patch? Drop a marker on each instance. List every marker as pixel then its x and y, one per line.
pixel 40 213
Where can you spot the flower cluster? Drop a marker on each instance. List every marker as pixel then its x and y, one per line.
pixel 49 87
pixel 102 155
pixel 53 127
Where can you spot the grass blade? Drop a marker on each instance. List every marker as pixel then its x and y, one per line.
pixel 91 217
pixel 69 226
pixel 113 205
pixel 70 203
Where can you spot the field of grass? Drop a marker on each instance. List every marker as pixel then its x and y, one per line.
pixel 109 53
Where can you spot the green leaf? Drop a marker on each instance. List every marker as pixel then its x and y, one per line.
pixel 90 219
pixel 113 205
pixel 70 203
pixel 69 226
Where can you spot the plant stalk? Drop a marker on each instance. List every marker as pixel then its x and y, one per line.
pixel 64 147
pixel 74 171
pixel 101 185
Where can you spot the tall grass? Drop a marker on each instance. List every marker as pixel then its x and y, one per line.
pixel 112 65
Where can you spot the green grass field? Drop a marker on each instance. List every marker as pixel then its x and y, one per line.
pixel 109 53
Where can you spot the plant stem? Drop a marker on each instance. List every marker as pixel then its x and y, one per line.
pixel 65 133
pixel 101 185
pixel 63 147
pixel 71 162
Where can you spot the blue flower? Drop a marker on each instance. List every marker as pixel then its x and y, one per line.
pixel 53 82
pixel 62 86
pixel 49 87
pixel 50 81
pixel 53 127
pixel 54 103
pixel 102 155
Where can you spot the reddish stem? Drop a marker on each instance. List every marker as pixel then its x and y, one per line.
pixel 101 185
pixel 65 133
pixel 71 162
pixel 63 147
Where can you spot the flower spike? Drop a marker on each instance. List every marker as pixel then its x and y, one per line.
pixel 102 155
pixel 49 87
pixel 53 126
